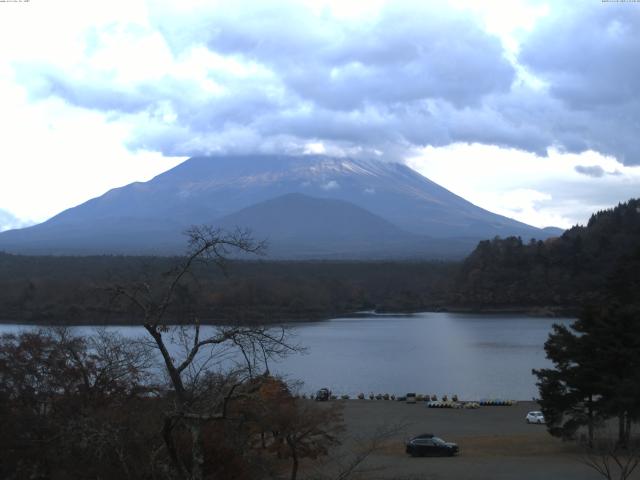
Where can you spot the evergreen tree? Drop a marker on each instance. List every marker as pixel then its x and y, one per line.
pixel 569 391
pixel 616 331
pixel 596 372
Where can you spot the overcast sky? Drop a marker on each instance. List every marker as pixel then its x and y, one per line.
pixel 527 108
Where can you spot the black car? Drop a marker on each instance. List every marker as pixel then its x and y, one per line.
pixel 323 395
pixel 428 445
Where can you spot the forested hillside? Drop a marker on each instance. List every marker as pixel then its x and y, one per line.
pixel 584 266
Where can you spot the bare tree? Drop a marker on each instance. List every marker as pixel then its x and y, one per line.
pixel 354 463
pixel 611 459
pixel 200 399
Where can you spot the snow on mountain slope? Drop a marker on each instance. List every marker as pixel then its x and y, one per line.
pixel 203 190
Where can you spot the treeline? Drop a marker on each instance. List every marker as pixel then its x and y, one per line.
pixel 79 290
pixel 586 265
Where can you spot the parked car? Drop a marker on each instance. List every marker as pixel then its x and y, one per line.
pixel 535 417
pixel 428 445
pixel 323 395
pixel 411 397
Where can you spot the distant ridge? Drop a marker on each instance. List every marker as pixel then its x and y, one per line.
pixel 299 226
pixel 296 217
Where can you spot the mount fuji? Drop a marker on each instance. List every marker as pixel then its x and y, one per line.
pixel 305 206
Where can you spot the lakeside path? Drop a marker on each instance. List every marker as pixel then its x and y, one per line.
pixel 495 443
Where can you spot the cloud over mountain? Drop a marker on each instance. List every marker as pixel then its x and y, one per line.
pixel 9 221
pixel 281 74
pixel 120 91
pixel 278 74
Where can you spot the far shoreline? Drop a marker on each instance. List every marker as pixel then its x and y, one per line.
pixel 531 311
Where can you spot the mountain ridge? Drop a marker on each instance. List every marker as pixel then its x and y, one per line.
pixel 147 217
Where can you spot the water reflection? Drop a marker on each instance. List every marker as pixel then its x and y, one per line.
pixel 474 356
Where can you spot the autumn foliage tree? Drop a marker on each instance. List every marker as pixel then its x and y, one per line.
pixel 294 428
pixel 74 406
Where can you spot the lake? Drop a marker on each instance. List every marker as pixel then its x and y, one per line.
pixel 473 355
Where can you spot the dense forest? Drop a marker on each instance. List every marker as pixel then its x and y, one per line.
pixel 75 290
pixel 586 265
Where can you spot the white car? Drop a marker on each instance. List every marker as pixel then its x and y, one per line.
pixel 535 417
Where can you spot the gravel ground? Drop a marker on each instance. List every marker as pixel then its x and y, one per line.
pixel 495 444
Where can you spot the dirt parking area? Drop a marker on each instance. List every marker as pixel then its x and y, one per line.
pixel 495 444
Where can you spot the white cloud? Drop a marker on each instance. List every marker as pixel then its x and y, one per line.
pixel 538 190
pixel 315 148
pixel 9 221
pixel 331 185
pixel 55 156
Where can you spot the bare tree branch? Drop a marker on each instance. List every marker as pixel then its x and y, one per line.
pixel 611 460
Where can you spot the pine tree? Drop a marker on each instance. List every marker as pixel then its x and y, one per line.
pixel 596 372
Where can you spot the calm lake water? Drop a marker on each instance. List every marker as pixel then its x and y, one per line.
pixel 473 355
